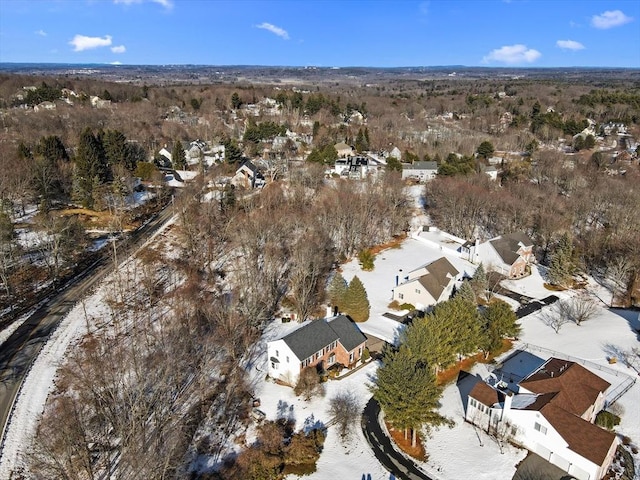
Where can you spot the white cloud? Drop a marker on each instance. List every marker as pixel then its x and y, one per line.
pixel 512 54
pixel 119 49
pixel 82 42
pixel 281 32
pixel 168 4
pixel 569 45
pixel 610 19
pixel 116 63
pixel 42 33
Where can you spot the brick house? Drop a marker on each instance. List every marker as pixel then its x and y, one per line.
pixel 317 343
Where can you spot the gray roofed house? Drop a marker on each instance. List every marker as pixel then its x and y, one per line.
pixel 318 343
pixel 248 176
pixel 421 171
pixel 511 255
pixel 515 251
pixel 428 285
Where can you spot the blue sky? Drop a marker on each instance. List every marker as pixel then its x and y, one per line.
pixel 522 33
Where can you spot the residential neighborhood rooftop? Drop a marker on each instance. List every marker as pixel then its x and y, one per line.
pixel 314 335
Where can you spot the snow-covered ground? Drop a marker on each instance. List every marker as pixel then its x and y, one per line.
pixel 393 265
pixel 39 382
pixel 454 453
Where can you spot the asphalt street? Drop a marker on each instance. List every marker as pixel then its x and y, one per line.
pixel 21 349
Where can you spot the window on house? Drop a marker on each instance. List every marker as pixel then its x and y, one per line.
pixel 287 359
pixel 540 428
pixel 418 291
pixel 359 351
pixel 351 357
pixel 400 296
pixel 277 354
pixel 274 365
pixel 332 359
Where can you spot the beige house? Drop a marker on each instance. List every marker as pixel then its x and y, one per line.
pixel 343 149
pixel 428 285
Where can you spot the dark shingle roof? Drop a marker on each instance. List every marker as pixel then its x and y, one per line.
pixel 421 166
pixel 439 274
pixel 577 387
pixel 507 246
pixel 349 334
pixel 317 334
pixel 485 394
pixel 584 438
pixel 574 390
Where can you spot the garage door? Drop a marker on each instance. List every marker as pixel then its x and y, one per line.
pixel 579 473
pixel 560 462
pixel 543 452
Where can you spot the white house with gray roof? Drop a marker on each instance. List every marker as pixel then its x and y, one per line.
pixel 428 285
pixel 421 171
pixel 316 343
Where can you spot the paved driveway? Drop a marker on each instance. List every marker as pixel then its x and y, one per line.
pixel 534 467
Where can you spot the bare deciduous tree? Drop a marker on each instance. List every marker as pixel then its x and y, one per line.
pixel 344 412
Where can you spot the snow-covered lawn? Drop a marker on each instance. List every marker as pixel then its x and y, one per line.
pixel 393 265
pixel 338 460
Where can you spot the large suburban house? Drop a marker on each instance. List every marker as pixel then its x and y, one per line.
pixel 343 149
pixel 248 176
pixel 316 343
pixel 552 415
pixel 421 171
pixel 510 255
pixel 354 167
pixel 428 285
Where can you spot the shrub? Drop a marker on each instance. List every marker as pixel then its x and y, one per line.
pixel 407 306
pixel 607 420
pixel 366 258
pixel 308 384
pixel 626 440
pixel 366 355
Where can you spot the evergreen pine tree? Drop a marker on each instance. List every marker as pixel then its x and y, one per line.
pixel 466 291
pixel 562 264
pixel 407 392
pixel 337 291
pixel 115 147
pixel 178 157
pixel 356 303
pixel 91 168
pixel 360 141
pixel 479 282
pixel 498 321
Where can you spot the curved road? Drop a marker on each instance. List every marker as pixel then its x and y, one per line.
pixel 396 463
pixel 21 349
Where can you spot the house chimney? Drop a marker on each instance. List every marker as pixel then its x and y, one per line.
pixel 329 311
pixel 508 399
